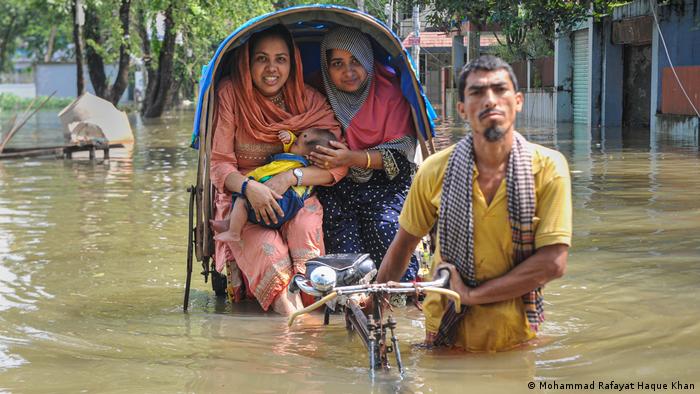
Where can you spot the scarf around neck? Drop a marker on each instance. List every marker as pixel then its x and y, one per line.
pixel 259 118
pixel 377 116
pixel 346 105
pixel 456 213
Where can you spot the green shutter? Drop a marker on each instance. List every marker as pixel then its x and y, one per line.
pixel 581 94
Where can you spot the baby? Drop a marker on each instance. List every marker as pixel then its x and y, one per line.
pixel 296 154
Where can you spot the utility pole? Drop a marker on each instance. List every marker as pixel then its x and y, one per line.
pixel 361 5
pixel 416 38
pixel 458 54
pixel 78 22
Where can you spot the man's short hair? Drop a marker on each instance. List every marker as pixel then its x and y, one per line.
pixel 485 63
pixel 320 137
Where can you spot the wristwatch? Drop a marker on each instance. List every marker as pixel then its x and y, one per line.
pixel 299 174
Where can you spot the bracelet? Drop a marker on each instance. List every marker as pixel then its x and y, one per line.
pixel 369 159
pixel 244 185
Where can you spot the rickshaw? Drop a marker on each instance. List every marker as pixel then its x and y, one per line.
pixel 307 24
pixel 330 283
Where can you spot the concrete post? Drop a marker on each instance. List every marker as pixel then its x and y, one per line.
pixel 527 85
pixel 612 77
pixel 655 51
pixel 458 52
pixel 595 43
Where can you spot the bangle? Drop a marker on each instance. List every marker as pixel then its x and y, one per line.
pixel 244 185
pixel 369 159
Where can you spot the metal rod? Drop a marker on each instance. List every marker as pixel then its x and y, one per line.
pixel 190 245
pixel 372 345
pixel 395 343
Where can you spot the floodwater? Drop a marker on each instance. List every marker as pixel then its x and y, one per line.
pixel 92 271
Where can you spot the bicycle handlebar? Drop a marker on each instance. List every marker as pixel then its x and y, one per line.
pixel 312 307
pixel 435 286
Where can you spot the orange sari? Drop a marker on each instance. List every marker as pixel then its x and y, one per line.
pixel 245 135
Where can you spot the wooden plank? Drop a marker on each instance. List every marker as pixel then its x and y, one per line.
pixel 60 150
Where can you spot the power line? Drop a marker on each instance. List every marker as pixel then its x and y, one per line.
pixel 663 41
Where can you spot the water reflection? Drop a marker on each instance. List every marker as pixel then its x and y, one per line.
pixel 92 270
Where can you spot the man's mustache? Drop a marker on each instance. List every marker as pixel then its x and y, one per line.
pixel 489 111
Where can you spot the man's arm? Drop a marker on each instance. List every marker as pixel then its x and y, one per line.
pixel 547 264
pixel 397 257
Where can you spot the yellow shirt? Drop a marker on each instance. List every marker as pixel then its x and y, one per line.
pixel 501 325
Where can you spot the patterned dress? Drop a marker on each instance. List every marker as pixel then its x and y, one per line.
pixel 364 217
pixel 361 212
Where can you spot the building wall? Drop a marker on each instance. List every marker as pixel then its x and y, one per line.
pixel 682 36
pixel 62 78
pixel 673 99
pixel 563 79
pixel 612 77
pixel 541 72
pixel 610 67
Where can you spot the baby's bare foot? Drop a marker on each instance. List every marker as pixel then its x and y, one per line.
pixel 228 236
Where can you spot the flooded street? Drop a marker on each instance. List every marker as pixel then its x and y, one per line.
pixel 92 274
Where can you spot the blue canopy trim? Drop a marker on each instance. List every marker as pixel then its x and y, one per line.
pixel 412 91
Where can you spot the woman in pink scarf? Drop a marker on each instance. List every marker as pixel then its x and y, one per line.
pixel 361 212
pixel 266 94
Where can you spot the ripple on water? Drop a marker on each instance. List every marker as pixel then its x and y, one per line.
pixel 93 260
pixel 9 360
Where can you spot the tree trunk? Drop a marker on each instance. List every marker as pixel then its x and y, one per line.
pixel 95 64
pixel 173 99
pixel 142 29
pixel 77 40
pixel 122 81
pixel 158 87
pixel 7 36
pixel 49 47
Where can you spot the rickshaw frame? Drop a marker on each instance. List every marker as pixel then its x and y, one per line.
pixel 305 23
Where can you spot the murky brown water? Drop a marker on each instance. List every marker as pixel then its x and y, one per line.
pixel 92 268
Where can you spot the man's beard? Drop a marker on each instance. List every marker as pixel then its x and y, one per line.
pixel 494 133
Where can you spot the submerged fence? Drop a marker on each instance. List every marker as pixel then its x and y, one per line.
pixel 538 107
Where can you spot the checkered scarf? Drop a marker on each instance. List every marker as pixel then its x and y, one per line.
pixel 457 242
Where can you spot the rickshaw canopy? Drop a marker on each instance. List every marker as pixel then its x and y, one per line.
pixel 308 24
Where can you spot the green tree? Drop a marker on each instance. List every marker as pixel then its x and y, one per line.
pixel 191 31
pixel 14 18
pixel 517 19
pixel 104 32
pixel 48 28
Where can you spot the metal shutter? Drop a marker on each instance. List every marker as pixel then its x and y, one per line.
pixel 581 94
